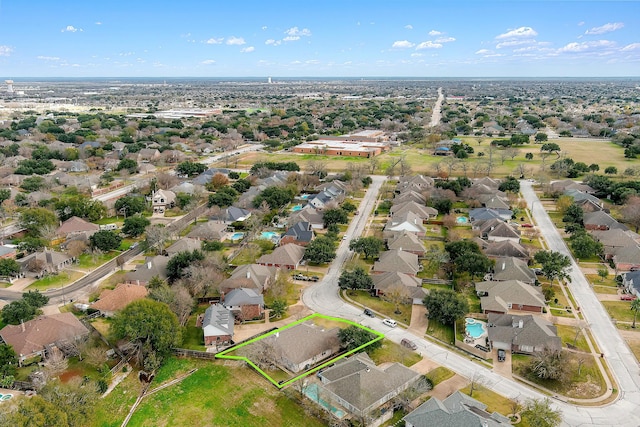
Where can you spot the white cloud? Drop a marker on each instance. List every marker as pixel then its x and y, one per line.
pixel 581 23
pixel 295 31
pixel 402 44
pixel 291 38
pixel 518 33
pixel 213 40
pixel 208 62
pixel 236 41
pixel 98 23
pixel 409 27
pixel 70 29
pixel 264 27
pixel 416 55
pixel 248 49
pixel 585 46
pixel 606 28
pixel 445 39
pixel 48 58
pixel 312 62
pixel 483 52
pixel 434 33
pixel 512 43
pixel 273 42
pixel 632 46
pixel 428 45
pixel 5 50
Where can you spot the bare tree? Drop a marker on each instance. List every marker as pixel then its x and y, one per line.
pixel 317 167
pixel 465 167
pixel 156 237
pixel 76 248
pixel 405 167
pixel 397 294
pixel 373 164
pixel 55 363
pixel 451 163
pixel 522 170
pixel 512 152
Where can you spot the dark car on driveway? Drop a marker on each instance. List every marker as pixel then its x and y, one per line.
pixel 369 312
pixel 502 356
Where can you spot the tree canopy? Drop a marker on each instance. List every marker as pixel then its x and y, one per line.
pixel 105 240
pixel 540 413
pixel 353 337
pixel 9 267
pixel 335 216
pixel 152 326
pixel 130 205
pixel 190 169
pixel 357 278
pixel 320 250
pixel 180 262
pixel 554 265
pixel 275 197
pixel 134 226
pixel 370 246
pixel 445 306
pixel 24 309
pixel 35 220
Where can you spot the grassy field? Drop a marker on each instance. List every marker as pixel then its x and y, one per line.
pixel 439 375
pixel 423 161
pixel 382 306
pixel 440 331
pixel 568 333
pixel 619 310
pixel 392 352
pixel 494 401
pixel 91 261
pixel 56 281
pixel 217 395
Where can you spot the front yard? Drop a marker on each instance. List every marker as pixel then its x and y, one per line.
pixel 381 306
pixel 59 280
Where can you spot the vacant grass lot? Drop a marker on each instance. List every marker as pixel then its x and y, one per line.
pixel 439 375
pixel 423 161
pixel 619 310
pixel 568 334
pixel 392 352
pixel 217 395
pixel 440 331
pixel 91 261
pixel 382 306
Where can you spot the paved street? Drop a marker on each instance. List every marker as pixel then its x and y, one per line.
pixel 323 298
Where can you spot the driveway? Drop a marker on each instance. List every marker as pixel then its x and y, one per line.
pixel 419 321
pixel 502 368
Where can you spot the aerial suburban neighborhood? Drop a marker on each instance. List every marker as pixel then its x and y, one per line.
pixel 450 253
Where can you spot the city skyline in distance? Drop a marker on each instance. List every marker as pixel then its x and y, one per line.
pixel 456 39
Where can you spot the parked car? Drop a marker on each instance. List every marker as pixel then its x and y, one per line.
pixel 502 356
pixel 390 322
pixel 314 278
pixel 538 271
pixel 408 343
pixel 526 225
pixel 369 312
pixel 627 297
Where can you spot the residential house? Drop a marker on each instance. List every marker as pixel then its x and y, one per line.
pixel 148 155
pixel 600 220
pixel 185 244
pixel 510 268
pixel 422 211
pixel 153 267
pixel 631 282
pixel 253 276
pixel 493 201
pixel 361 387
pixel 410 196
pixel 522 334
pixel 217 325
pixel 301 233
pixel 407 242
pixel 505 248
pixel 308 214
pixel 588 205
pixel 407 222
pixel 457 410
pixel 43 334
pixel 581 197
pixel 210 230
pixel 76 225
pixel 410 287
pixel 113 300
pixel 627 258
pixel 234 214
pixel 8 251
pixel 323 200
pixel 185 187
pixel 488 182
pixel 500 297
pixel 397 261
pixel 480 214
pixel 285 256
pixel 245 303
pixel 163 200
pixel 568 184
pixel 621 246
pixel 496 230
pixel 42 263
pixel 319 344
pixel 416 183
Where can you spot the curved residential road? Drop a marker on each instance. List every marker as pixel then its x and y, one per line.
pixel 323 297
pixel 437 110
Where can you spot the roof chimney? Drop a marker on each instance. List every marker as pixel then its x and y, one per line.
pixel 504 265
pixel 149 265
pixel 520 324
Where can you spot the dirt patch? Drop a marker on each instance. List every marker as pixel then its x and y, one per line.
pixel 586 389
pixel 67 376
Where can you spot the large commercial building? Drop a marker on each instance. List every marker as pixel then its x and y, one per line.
pixel 368 143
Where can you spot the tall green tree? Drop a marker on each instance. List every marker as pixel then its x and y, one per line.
pixel 178 264
pixel 335 216
pixel 9 267
pixel 190 169
pixel 584 245
pixel 635 307
pixel 8 361
pixel 353 337
pixel 369 246
pixel 320 250
pixel 105 240
pixel 554 265
pixel 540 413
pixel 445 306
pixel 152 327
pixel 35 220
pixel 134 226
pixel 358 278
pixel 130 205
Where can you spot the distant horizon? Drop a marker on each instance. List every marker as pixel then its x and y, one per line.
pixel 462 38
pixel 275 79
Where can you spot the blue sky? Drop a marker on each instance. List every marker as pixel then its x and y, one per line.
pixel 323 38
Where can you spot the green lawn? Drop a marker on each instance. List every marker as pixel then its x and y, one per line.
pixel 439 375
pixel 619 310
pixel 56 281
pixel 112 409
pixel 192 336
pixel 440 331
pixel 568 334
pixel 382 306
pixel 495 402
pixel 95 260
pixel 392 352
pixel 218 395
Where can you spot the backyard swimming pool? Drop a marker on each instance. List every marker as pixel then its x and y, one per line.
pixel 312 393
pixel 296 208
pixel 462 220
pixel 474 328
pixel 237 236
pixel 269 235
